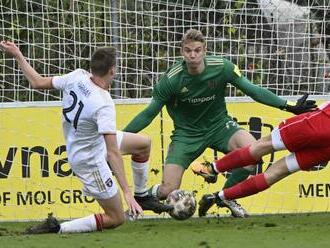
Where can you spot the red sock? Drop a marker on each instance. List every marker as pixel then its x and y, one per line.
pixel 248 187
pixel 99 221
pixel 139 159
pixel 235 159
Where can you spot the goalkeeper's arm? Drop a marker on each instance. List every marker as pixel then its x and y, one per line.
pixel 143 119
pixel 265 96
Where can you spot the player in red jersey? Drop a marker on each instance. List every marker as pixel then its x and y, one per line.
pixel 306 136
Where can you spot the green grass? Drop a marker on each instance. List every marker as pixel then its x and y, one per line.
pixel 278 231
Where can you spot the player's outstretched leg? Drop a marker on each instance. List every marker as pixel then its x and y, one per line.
pixel 209 200
pixel 49 225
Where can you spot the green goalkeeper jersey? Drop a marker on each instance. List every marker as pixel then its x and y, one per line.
pixel 196 103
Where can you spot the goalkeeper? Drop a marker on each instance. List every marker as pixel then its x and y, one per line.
pixel 306 136
pixel 193 90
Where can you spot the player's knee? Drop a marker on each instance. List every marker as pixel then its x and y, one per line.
pixel 146 146
pixel 143 148
pixel 147 143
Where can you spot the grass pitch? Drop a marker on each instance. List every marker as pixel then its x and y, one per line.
pixel 274 231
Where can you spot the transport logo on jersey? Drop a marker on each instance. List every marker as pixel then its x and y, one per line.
pixel 184 90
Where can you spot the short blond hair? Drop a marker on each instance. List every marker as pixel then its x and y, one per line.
pixel 192 35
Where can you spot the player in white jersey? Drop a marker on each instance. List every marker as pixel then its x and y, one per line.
pixel 92 142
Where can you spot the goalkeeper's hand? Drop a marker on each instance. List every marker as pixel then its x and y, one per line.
pixel 302 105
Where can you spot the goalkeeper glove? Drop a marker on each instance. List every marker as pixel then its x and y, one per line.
pixel 302 105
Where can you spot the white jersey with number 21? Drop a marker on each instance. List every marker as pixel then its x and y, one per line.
pixel 88 113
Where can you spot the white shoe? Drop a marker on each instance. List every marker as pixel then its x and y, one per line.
pixel 236 209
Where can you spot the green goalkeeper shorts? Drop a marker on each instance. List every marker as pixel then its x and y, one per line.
pixel 184 149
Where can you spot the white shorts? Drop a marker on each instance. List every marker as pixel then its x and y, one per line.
pixel 98 179
pixel 119 135
pixel 277 141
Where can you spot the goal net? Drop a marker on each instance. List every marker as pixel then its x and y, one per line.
pixel 282 45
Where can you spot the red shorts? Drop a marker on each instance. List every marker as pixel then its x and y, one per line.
pixel 308 136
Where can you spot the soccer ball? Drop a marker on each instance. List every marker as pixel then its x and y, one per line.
pixel 184 204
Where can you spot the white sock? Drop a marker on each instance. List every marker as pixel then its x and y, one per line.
pixel 154 190
pixel 215 167
pixel 85 224
pixel 140 177
pixel 221 195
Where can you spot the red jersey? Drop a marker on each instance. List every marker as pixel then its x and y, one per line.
pixel 308 136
